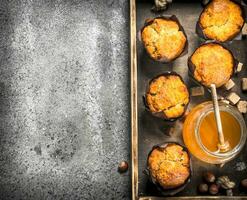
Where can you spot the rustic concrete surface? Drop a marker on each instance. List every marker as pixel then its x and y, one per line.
pixel 64 99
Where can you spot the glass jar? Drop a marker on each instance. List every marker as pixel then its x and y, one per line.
pixel 193 138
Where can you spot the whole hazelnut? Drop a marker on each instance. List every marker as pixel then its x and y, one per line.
pixel 123 166
pixel 213 189
pixel 209 177
pixel 203 188
pixel 244 183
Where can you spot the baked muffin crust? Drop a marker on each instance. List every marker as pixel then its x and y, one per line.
pixel 169 166
pixel 163 40
pixel 212 64
pixel 167 94
pixel 221 20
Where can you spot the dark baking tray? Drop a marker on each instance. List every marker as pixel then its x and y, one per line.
pixel 149 130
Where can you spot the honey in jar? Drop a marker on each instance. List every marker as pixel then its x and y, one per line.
pixel 201 137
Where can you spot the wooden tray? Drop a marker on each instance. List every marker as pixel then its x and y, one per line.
pixel 147 130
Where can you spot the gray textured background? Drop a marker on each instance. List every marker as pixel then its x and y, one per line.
pixel 64 99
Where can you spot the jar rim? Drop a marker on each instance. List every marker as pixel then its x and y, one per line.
pixel 238 117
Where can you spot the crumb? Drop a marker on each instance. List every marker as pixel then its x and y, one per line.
pixel 197 91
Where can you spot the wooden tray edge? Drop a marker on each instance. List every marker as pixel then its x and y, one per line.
pixel 134 122
pixel 134 118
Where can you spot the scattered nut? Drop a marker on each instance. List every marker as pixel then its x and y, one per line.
pixel 244 183
pixel 160 5
pixel 221 165
pixel 225 101
pixel 239 67
pixel 213 189
pixel 203 188
pixel 244 84
pixel 123 166
pixel 229 85
pixel 229 192
pixel 240 166
pixel 204 2
pixel 197 91
pixel 225 182
pixel 209 177
pixel 242 106
pixel 244 29
pixel 233 98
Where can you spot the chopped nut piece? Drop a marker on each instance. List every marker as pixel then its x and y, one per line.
pixel 225 182
pixel 205 2
pixel 229 85
pixel 239 67
pixel 244 84
pixel 197 91
pixel 222 165
pixel 233 98
pixel 240 166
pixel 225 101
pixel 244 29
pixel 160 5
pixel 242 106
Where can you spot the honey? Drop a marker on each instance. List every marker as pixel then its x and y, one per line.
pixel 201 137
pixel 209 135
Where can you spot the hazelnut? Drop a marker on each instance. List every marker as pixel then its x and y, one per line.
pixel 213 189
pixel 209 177
pixel 123 166
pixel 244 183
pixel 203 188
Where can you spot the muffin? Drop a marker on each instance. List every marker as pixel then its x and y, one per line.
pixel 163 39
pixel 167 94
pixel 221 20
pixel 212 64
pixel 169 166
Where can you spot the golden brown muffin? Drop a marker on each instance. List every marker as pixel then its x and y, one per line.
pixel 167 94
pixel 213 64
pixel 221 20
pixel 163 39
pixel 169 166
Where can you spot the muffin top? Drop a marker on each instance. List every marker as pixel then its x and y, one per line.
pixel 221 20
pixel 169 166
pixel 213 64
pixel 163 40
pixel 167 94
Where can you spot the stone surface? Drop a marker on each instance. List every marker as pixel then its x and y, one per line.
pixel 64 99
